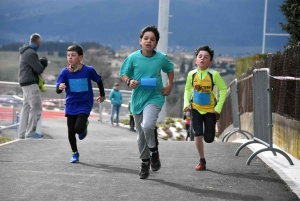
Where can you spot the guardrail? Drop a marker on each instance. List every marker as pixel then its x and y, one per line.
pixel 52 100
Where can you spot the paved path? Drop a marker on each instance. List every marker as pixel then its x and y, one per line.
pixel 109 165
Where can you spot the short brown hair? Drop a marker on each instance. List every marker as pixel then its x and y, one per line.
pixel 206 48
pixel 34 38
pixel 150 28
pixel 75 48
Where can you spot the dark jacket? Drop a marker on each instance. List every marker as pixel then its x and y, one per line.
pixel 30 66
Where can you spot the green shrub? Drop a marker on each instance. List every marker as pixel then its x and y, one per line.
pixel 242 64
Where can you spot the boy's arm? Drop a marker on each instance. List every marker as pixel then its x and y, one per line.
pixel 167 90
pixel 101 88
pixel 101 98
pixel 111 95
pixel 59 81
pixel 223 90
pixel 188 91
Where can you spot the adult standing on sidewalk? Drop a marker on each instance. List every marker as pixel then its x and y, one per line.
pixel 116 99
pixel 30 69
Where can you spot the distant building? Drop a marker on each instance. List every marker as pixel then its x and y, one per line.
pixel 116 63
pixel 123 53
pixel 228 61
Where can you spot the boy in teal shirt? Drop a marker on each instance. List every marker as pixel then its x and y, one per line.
pixel 205 108
pixel 147 103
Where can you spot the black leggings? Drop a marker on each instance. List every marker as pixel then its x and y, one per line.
pixel 209 120
pixel 76 124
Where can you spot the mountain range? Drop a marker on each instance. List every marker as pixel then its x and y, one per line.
pixel 232 27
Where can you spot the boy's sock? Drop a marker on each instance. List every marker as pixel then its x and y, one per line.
pixel 154 150
pixel 146 161
pixel 202 160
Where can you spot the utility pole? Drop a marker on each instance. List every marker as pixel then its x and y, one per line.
pixel 264 29
pixel 163 28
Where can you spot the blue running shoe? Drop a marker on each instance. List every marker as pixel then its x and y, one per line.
pixel 35 136
pixel 83 135
pixel 75 157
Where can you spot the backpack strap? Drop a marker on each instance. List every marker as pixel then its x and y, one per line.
pixel 210 73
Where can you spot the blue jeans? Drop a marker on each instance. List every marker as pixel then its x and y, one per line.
pixel 115 109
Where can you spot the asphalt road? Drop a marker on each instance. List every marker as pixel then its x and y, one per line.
pixel 39 169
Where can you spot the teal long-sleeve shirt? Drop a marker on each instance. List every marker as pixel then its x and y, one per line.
pixel 115 97
pixel 218 81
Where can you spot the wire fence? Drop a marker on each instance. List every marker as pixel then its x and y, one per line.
pixel 284 75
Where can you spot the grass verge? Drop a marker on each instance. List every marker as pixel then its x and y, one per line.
pixel 4 139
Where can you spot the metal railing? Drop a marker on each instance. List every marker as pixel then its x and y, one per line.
pixel 262 115
pixel 235 109
pixel 51 101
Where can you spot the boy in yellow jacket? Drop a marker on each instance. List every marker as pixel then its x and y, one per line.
pixel 205 108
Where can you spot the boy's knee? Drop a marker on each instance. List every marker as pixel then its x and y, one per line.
pixel 209 138
pixel 79 130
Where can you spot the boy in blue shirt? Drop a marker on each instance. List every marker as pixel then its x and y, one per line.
pixel 116 99
pixel 76 79
pixel 147 103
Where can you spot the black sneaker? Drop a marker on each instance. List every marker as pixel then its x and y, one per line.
pixel 144 173
pixel 155 162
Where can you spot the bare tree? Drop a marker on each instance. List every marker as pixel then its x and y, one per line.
pixel 98 58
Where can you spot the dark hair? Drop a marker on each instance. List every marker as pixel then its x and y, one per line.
pixel 207 49
pixel 76 48
pixel 152 29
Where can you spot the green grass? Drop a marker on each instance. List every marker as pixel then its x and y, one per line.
pixel 4 139
pixel 9 64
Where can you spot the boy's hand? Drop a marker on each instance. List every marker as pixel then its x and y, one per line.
pixel 133 84
pixel 62 86
pixel 166 90
pixel 100 99
pixel 217 116
pixel 187 109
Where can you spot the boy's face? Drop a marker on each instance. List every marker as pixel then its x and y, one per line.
pixel 73 58
pixel 203 60
pixel 148 41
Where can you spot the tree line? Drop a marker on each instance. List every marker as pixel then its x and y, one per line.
pixel 50 46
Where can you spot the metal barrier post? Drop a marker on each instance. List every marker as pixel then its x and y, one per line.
pixel 262 114
pixel 100 112
pixel 235 113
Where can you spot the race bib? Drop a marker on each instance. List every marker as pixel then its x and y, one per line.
pixel 78 85
pixel 148 83
pixel 201 98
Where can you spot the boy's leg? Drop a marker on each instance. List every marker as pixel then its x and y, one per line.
pixel 143 147
pixel 113 110
pixel 81 125
pixel 209 127
pixel 118 112
pixel 187 128
pixel 197 124
pixel 142 144
pixel 71 122
pixel 150 115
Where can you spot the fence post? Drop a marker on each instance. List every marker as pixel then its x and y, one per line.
pixel 297 98
pixel 100 111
